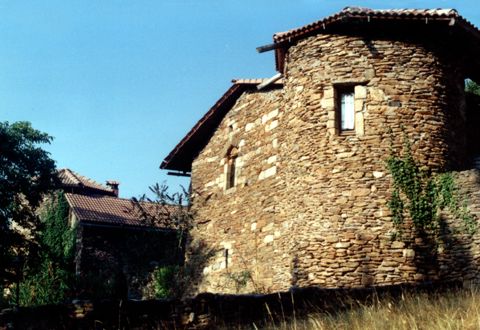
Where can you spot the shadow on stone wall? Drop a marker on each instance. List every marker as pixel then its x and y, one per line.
pixel 472 123
pixel 456 257
pixel 189 276
pixel 445 255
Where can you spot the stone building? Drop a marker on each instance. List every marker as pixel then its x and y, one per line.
pixel 116 246
pixel 289 176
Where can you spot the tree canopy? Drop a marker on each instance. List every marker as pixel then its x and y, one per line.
pixel 26 173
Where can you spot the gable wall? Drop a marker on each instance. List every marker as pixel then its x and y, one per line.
pixel 244 219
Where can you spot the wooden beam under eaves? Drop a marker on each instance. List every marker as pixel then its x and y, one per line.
pixel 269 81
pixel 179 174
pixel 267 48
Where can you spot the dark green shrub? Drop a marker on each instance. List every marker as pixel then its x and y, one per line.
pixel 165 281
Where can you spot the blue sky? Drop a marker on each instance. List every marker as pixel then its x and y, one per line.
pixel 119 83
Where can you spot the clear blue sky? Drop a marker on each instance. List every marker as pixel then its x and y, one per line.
pixel 119 83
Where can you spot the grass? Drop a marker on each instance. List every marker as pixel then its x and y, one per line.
pixel 459 309
pixel 452 309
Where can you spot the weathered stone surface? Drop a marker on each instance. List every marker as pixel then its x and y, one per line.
pixel 342 245
pixel 327 191
pixel 398 245
pixel 249 209
pixel 409 253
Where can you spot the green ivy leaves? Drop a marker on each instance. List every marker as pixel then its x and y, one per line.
pixel 421 195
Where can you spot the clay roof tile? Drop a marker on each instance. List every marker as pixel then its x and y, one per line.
pixel 109 210
pixel 71 179
pixel 360 14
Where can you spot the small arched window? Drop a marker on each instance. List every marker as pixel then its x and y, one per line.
pixel 232 155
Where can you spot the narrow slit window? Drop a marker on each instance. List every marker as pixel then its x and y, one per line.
pixel 231 172
pixel 226 258
pixel 231 168
pixel 346 109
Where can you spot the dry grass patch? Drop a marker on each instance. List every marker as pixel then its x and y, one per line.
pixel 459 309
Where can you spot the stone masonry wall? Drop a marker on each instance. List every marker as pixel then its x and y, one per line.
pixel 310 207
pixel 337 185
pixel 242 222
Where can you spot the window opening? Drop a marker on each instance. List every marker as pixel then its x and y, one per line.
pixel 346 109
pixel 226 258
pixel 231 168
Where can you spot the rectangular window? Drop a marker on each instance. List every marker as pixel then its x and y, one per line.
pixel 346 109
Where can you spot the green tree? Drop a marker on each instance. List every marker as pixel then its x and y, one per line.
pixel 174 211
pixel 26 173
pixel 51 280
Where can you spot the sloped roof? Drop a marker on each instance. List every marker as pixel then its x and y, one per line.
pixel 351 16
pixel 76 182
pixel 182 156
pixel 109 210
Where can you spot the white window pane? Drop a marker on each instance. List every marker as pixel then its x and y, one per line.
pixel 347 113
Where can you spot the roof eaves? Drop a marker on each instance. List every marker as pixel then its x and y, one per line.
pixel 166 163
pixel 357 12
pixel 129 226
pixel 213 115
pixel 451 16
pixel 71 205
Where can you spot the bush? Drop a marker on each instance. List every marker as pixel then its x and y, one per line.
pixel 165 281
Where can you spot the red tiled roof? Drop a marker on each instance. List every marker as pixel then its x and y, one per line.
pixel 181 157
pixel 71 179
pixel 109 210
pixel 365 15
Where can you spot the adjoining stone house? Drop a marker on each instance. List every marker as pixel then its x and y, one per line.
pixel 289 180
pixel 115 245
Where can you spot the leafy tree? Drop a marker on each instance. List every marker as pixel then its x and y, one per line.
pixel 165 210
pixel 51 280
pixel 173 211
pixel 26 173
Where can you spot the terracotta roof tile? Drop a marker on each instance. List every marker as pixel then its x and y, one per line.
pixel 109 210
pixel 359 14
pixel 414 14
pixel 71 179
